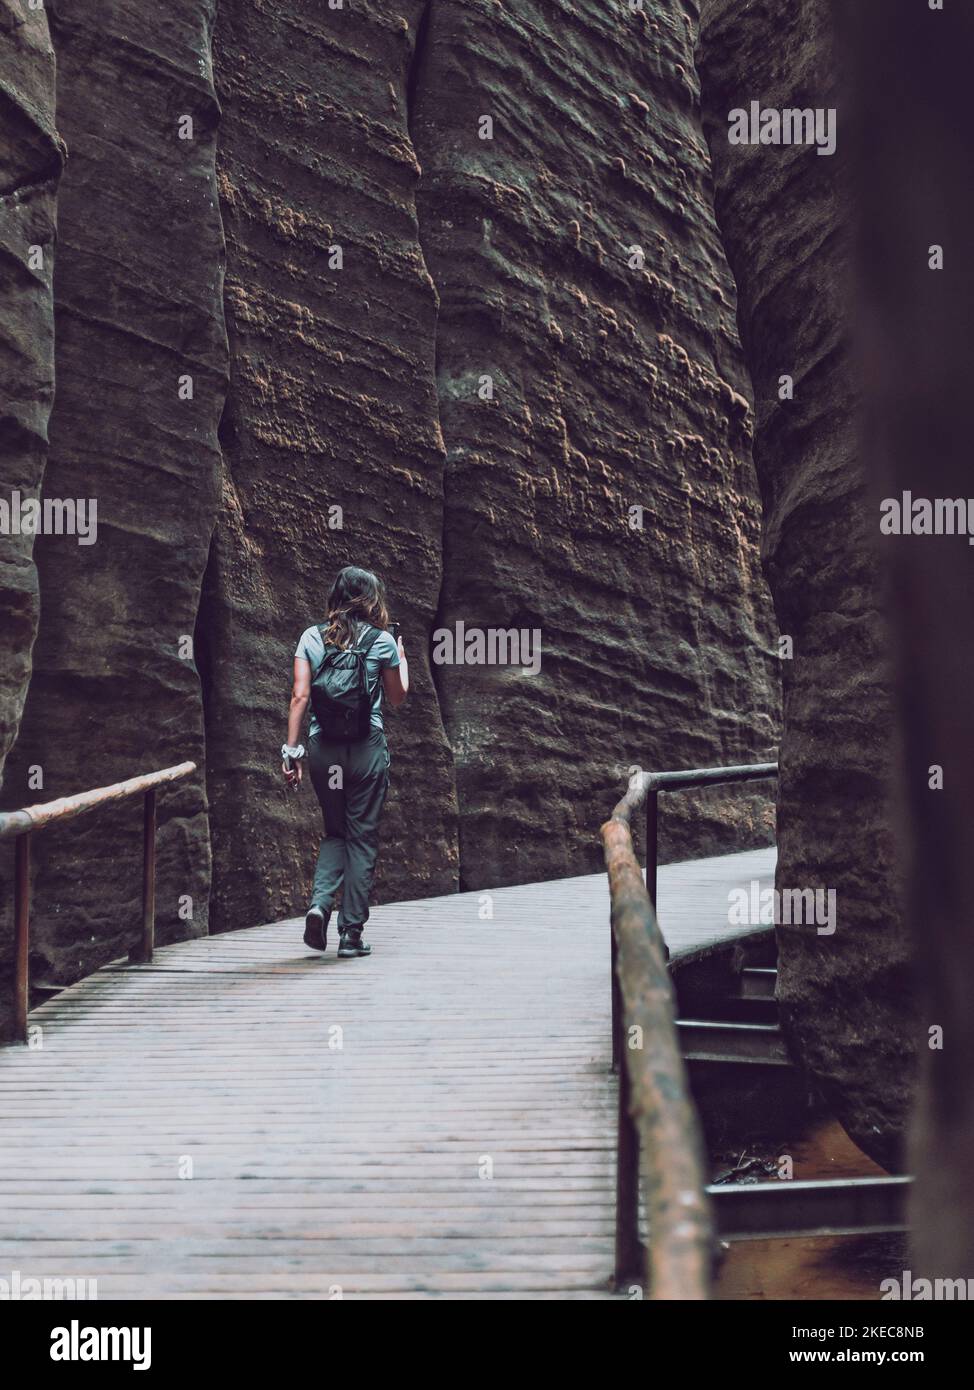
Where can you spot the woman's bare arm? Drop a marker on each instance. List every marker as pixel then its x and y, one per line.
pixel 300 695
pixel 395 679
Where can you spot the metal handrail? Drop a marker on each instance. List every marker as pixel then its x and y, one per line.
pixel 659 1131
pixel 657 782
pixel 20 825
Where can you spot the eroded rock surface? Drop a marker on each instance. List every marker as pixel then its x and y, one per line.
pixel 31 156
pixel 784 216
pixel 580 271
pixel 138 313
pixel 332 406
pixel 573 258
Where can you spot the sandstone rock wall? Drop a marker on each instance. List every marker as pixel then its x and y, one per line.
pixel 31 156
pixel 784 216
pixel 138 312
pixel 915 335
pixel 612 385
pixel 380 260
pixel 332 405
pixel 365 141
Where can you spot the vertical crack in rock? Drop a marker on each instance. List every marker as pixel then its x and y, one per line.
pixel 31 156
pixel 418 70
pixel 577 381
pixel 141 361
pixel 846 998
pixel 417 62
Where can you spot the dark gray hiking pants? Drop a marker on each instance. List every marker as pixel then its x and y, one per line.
pixel 350 782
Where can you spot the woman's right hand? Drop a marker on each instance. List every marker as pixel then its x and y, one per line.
pixel 292 774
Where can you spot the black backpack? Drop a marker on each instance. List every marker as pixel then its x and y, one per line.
pixel 340 693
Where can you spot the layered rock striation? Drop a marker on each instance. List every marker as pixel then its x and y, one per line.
pixel 597 486
pixel 916 295
pixel 141 358
pixel 304 316
pixel 31 157
pixel 332 451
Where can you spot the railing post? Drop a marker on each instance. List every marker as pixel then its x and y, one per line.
pixel 616 1002
pixel 21 934
pixel 629 1249
pixel 142 954
pixel 652 842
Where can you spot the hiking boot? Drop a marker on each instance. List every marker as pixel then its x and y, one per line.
pixel 352 944
pixel 316 929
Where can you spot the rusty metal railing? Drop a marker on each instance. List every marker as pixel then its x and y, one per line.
pixel 20 826
pixel 659 1133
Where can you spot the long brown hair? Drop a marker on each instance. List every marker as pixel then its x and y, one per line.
pixel 355 595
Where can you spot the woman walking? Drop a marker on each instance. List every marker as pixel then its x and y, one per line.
pixel 342 668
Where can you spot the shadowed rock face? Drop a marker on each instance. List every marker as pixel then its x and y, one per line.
pixel 915 337
pixel 138 310
pixel 587 364
pixel 784 218
pixel 30 165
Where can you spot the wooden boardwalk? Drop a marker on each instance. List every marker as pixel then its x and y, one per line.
pixel 243 1118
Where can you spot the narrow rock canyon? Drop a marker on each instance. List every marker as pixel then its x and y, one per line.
pixel 479 296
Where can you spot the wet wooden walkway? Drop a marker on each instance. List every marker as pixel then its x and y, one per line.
pixel 244 1118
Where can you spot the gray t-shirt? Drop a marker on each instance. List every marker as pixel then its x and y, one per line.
pixel 385 652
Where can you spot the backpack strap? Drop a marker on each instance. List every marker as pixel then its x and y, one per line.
pixel 356 647
pixel 376 634
pixel 322 629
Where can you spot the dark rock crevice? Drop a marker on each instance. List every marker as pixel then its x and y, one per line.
pixel 846 998
pixel 418 72
pixel 36 181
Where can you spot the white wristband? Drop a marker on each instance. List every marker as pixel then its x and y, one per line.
pixel 294 754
